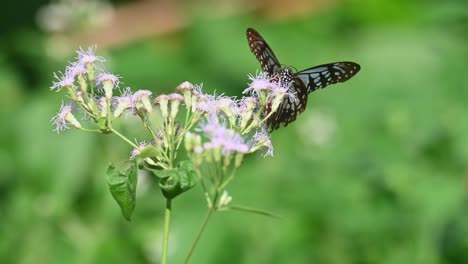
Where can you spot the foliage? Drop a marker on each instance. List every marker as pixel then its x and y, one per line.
pixel 373 172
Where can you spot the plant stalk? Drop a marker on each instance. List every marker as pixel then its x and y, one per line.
pixel 167 219
pixel 199 234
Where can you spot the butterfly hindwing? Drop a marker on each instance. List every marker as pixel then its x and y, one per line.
pixel 291 107
pixel 323 75
pixel 263 52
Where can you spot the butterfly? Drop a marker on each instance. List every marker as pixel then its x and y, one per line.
pixel 303 82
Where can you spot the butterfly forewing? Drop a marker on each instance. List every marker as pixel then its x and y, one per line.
pixel 263 52
pixel 323 75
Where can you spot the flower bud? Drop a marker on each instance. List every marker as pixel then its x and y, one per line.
pixel 246 111
pixel 189 141
pixel 217 154
pixel 186 89
pixel 224 200
pixel 103 106
pixel 162 100
pixel 88 59
pixel 277 99
pixel 263 97
pixel 227 160
pixel 141 100
pixel 246 115
pixel 175 102
pixel 90 71
pixel 208 150
pixel 83 84
pixel 208 200
pixel 197 153
pixel 226 105
pixel 196 100
pixel 72 120
pixel 108 82
pixel 65 117
pixel 72 93
pixel 123 103
pixel 255 123
pixel 238 160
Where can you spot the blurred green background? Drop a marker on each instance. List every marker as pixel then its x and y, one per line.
pixel 375 171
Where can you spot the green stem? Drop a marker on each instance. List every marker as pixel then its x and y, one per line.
pixel 123 137
pixel 199 234
pixel 227 181
pixel 90 130
pixel 252 124
pixel 148 126
pixel 167 219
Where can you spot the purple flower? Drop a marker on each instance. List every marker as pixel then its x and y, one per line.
pixel 228 106
pixel 221 137
pixel 66 79
pixel 123 102
pixel 210 104
pixel 185 86
pixel 162 100
pixel 108 77
pixel 175 97
pixel 141 94
pixel 261 140
pixel 141 100
pixel 282 91
pixel 109 82
pixel 249 102
pixel 76 69
pixel 87 56
pixel 207 107
pixel 63 118
pixel 102 106
pixel 260 82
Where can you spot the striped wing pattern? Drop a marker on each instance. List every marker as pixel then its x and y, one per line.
pixel 304 82
pixel 263 52
pixel 323 75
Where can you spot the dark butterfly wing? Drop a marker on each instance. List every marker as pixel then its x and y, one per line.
pixel 304 82
pixel 323 75
pixel 263 52
pixel 290 108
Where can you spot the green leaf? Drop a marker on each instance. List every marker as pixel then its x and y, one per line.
pixel 188 174
pixel 253 211
pixel 122 185
pixel 178 180
pixel 164 174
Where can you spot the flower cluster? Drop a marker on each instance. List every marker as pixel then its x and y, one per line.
pixel 217 130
